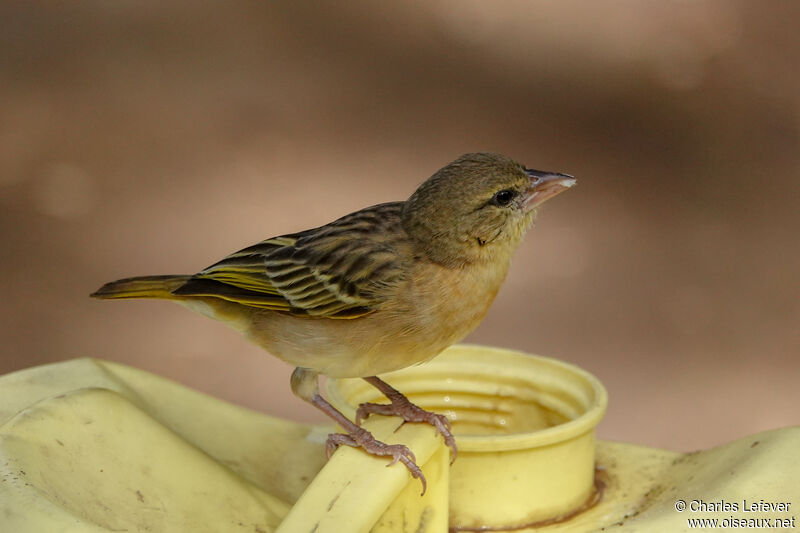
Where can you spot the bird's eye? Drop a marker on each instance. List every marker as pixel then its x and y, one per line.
pixel 504 197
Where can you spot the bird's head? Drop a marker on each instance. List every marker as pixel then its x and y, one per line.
pixel 478 208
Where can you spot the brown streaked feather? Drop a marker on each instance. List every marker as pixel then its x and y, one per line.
pixel 332 271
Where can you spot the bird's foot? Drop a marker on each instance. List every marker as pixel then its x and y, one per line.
pixel 361 438
pixel 402 407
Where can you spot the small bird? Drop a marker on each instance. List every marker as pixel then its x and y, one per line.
pixel 377 290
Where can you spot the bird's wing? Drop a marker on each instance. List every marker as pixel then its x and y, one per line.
pixel 340 270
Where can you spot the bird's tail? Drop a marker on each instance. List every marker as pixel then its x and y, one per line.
pixel 141 287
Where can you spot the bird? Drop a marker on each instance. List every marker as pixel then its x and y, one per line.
pixel 377 290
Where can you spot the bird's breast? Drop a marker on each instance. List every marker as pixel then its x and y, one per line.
pixel 440 306
pixel 463 298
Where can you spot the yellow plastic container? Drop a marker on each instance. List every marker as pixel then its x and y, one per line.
pixel 91 446
pixel 524 426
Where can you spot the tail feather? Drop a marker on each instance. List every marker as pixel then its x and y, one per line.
pixel 141 287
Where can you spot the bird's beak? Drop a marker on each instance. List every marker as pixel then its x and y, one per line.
pixel 545 185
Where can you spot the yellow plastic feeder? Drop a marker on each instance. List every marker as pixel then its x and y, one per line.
pixel 524 425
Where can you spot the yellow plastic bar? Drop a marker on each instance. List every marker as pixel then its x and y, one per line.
pixel 355 491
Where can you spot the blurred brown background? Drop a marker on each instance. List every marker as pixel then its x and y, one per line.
pixel 144 138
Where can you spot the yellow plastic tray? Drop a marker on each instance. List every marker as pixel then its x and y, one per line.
pixel 92 446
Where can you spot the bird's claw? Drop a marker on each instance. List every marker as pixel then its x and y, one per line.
pixel 364 439
pixel 409 412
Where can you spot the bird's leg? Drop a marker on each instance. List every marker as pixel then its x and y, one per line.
pixel 402 407
pixel 305 385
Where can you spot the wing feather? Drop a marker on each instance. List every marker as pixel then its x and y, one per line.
pixel 333 271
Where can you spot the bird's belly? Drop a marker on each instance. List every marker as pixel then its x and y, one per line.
pixel 386 340
pixel 347 348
